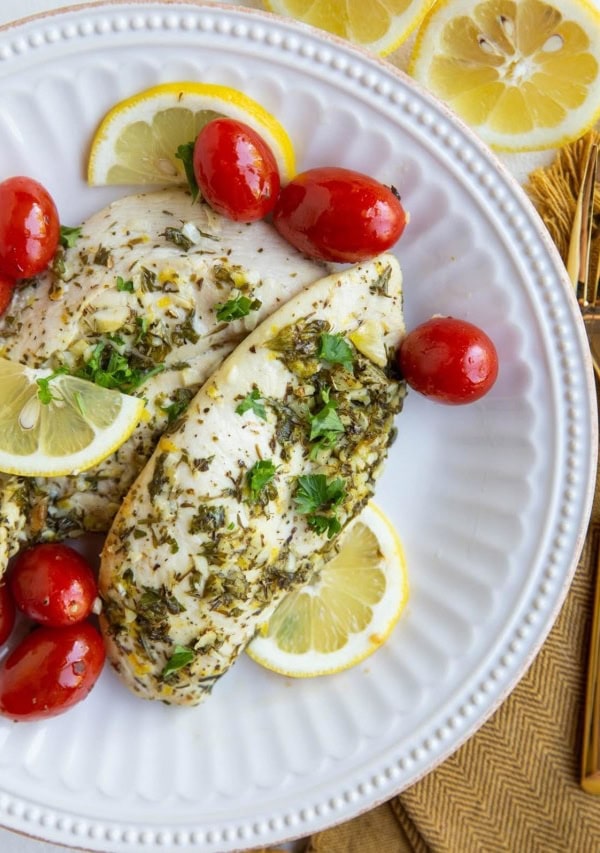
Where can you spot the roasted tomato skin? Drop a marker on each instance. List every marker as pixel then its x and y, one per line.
pixel 448 360
pixel 29 227
pixel 53 584
pixel 335 214
pixel 235 169
pixel 49 671
pixel 7 613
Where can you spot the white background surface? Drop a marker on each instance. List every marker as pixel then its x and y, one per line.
pixel 11 10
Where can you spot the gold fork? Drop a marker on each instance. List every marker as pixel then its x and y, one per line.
pixel 583 266
pixel 583 261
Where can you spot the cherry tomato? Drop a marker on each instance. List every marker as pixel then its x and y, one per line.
pixel 29 228
pixel 335 214
pixel 450 360
pixel 7 613
pixel 53 584
pixel 235 170
pixel 7 286
pixel 51 670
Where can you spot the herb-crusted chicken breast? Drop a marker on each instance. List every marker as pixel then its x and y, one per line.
pixel 243 499
pixel 150 297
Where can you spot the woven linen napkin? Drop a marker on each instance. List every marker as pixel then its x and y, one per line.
pixel 514 786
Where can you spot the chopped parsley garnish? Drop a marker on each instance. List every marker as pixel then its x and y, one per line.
pixel 69 236
pixel 316 495
pixel 324 524
pixel 259 476
pixel 182 656
pixel 179 404
pixel 124 285
pixel 325 425
pixel 110 369
pixel 239 306
pixel 45 395
pixel 335 349
pixel 185 153
pixel 254 402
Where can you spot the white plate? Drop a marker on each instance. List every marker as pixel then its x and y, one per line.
pixel 491 500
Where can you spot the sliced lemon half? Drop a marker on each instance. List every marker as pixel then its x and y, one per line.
pixel 347 612
pixel 525 75
pixel 55 424
pixel 378 25
pixel 137 141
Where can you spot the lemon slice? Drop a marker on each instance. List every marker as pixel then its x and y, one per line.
pixel 137 140
pixel 379 25
pixel 54 424
pixel 344 614
pixel 525 75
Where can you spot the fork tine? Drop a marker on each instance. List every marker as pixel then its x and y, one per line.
pixel 578 259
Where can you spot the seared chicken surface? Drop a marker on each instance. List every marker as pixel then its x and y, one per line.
pixel 151 296
pixel 244 498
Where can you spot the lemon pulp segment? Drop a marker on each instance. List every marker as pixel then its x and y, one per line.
pixel 379 25
pixel 525 74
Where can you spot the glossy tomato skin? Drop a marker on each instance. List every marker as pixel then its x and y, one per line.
pixel 53 584
pixel 235 169
pixel 449 360
pixel 335 214
pixel 7 613
pixel 51 670
pixel 7 286
pixel 29 227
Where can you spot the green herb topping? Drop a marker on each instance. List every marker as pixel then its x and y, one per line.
pixel 124 285
pixel 185 153
pixel 239 306
pixel 325 424
pixel 259 476
pixel 110 369
pixel 182 656
pixel 254 402
pixel 315 496
pixel 45 395
pixel 178 238
pixel 69 236
pixel 336 350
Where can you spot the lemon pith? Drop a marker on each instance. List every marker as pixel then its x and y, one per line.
pixel 525 75
pixel 69 427
pixel 380 25
pixel 345 614
pixel 137 140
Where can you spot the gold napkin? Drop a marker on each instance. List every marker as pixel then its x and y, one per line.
pixel 514 786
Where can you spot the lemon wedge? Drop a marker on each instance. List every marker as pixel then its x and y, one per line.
pixel 379 25
pixel 525 75
pixel 345 613
pixel 137 141
pixel 53 424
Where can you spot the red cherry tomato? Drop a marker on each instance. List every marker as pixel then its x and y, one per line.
pixel 53 584
pixel 235 170
pixel 7 613
pixel 29 228
pixel 335 214
pixel 51 670
pixel 7 286
pixel 451 361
